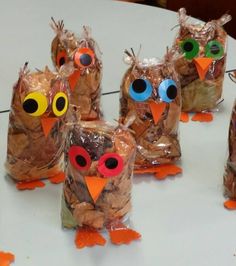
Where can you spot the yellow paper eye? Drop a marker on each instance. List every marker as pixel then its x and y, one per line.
pixel 60 104
pixel 35 104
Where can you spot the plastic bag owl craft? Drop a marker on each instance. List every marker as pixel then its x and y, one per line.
pixel 97 189
pixel 82 55
pixel 230 168
pixel 150 92
pixel 37 132
pixel 200 60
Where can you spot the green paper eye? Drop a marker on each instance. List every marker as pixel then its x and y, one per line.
pixel 214 49
pixel 190 48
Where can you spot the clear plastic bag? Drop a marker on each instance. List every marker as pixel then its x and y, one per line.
pixel 83 56
pixel 99 169
pixel 37 131
pixel 230 168
pixel 150 92
pixel 199 52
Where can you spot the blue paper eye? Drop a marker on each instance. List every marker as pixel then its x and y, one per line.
pixel 140 90
pixel 167 90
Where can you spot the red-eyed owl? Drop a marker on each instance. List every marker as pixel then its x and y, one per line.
pixel 150 93
pixel 37 131
pixel 97 189
pixel 83 56
pixel 199 54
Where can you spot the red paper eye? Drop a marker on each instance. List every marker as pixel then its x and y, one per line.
pixel 110 164
pixel 79 158
pixel 61 58
pixel 84 57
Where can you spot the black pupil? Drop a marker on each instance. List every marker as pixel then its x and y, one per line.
pixel 30 106
pixel 188 47
pixel 215 49
pixel 62 61
pixel 171 92
pixel 111 163
pixel 85 59
pixel 60 104
pixel 139 85
pixel 81 161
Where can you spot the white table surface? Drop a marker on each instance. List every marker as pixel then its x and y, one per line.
pixel 181 219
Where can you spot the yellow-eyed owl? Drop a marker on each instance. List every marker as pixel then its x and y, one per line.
pixel 83 55
pixel 36 134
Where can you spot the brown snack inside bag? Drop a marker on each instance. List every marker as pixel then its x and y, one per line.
pixel 199 54
pixel 99 168
pixel 150 93
pixel 82 56
pixel 37 130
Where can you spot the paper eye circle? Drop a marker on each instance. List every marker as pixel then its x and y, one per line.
pixel 84 57
pixel 140 90
pixel 110 164
pixel 60 104
pixel 167 90
pixel 61 58
pixel 79 158
pixel 214 49
pixel 190 48
pixel 35 104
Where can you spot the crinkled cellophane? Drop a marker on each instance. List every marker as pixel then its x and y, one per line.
pixel 230 168
pixel 87 91
pixel 114 203
pixel 156 143
pixel 31 155
pixel 200 95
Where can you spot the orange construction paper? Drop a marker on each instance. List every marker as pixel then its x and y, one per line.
pixel 120 234
pixel 184 117
pixel 47 124
pixel 202 64
pixel 157 110
pixel 95 185
pixel 6 258
pixel 86 237
pixel 160 171
pixel 230 204
pixel 57 179
pixel 29 185
pixel 202 117
pixel 73 79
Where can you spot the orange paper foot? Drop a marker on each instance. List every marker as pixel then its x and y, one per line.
pixel 202 117
pixel 29 185
pixel 161 172
pixel 230 204
pixel 184 117
pixel 166 170
pixel 6 258
pixel 120 234
pixel 57 179
pixel 86 237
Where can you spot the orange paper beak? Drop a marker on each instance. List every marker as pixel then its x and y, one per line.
pixel 73 79
pixel 47 124
pixel 157 110
pixel 95 186
pixel 202 64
